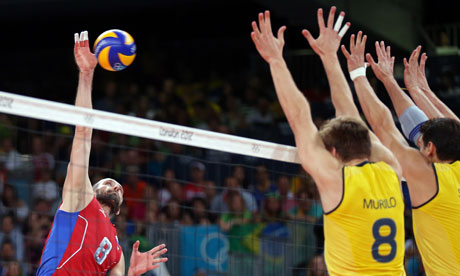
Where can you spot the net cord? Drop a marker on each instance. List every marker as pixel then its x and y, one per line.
pixel 72 115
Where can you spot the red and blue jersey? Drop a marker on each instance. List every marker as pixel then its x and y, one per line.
pixel 81 243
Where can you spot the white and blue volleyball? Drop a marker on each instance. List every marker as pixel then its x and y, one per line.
pixel 115 50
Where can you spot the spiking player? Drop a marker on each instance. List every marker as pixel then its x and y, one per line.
pixel 82 240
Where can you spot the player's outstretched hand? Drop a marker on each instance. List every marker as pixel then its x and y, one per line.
pixel 329 38
pixel 268 46
pixel 143 262
pixel 422 82
pixel 384 68
pixel 85 60
pixel 411 69
pixel 355 58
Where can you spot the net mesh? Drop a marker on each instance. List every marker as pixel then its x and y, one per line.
pixel 218 213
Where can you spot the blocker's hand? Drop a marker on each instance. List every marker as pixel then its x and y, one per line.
pixel 143 262
pixel 329 38
pixel 85 60
pixel 268 46
pixel 355 58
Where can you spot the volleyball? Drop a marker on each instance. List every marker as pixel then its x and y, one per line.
pixel 115 50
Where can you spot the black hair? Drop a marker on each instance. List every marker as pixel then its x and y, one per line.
pixel 444 133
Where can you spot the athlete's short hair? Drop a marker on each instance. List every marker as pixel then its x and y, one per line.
pixel 444 133
pixel 349 136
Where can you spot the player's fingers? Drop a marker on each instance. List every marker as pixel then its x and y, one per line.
pixel 82 34
pixel 388 51
pixel 344 29
pixel 255 28
pixel 136 246
pixel 159 253
pixel 330 19
pixel 157 248
pixel 160 260
pixel 371 61
pixel 320 19
pixel 77 39
pixel 359 37
pixel 281 34
pixel 417 53
pixel 352 42
pixel 363 42
pixel 345 52
pixel 406 64
pixel 268 23
pixel 392 61
pixel 423 59
pixel 339 21
pixel 378 50
pixel 261 22
pixel 86 39
pixel 309 37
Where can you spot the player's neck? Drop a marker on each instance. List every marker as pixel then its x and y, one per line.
pixel 106 210
pixel 355 162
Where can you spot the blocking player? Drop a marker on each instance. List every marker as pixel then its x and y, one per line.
pixel 432 173
pixel 82 240
pixel 362 201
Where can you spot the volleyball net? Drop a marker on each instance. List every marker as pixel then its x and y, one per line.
pixel 223 204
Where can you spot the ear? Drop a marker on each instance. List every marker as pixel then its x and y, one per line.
pixel 431 149
pixel 334 153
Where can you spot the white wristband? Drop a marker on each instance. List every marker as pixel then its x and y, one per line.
pixel 358 72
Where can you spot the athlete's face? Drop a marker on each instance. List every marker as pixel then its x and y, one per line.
pixel 110 193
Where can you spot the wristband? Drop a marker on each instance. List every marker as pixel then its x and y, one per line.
pixel 358 72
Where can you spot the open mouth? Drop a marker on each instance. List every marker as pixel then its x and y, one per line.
pixel 110 199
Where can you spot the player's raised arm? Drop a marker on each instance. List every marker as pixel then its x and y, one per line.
pixel 77 191
pixel 357 68
pixel 411 81
pixel 422 83
pixel 312 152
pixel 326 46
pixel 414 165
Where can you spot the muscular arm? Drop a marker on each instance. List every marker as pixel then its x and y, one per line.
pixel 77 191
pixel 412 84
pixel 355 59
pixel 314 157
pixel 416 169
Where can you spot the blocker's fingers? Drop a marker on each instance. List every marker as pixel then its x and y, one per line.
pixel 344 29
pixel 255 28
pixel 339 21
pixel 81 39
pixel 268 23
pixel 358 37
pixel 330 19
pixel 363 42
pixel 352 42
pixel 320 20
pixel 309 37
pixel 281 34
pixel 345 52
pixel 261 22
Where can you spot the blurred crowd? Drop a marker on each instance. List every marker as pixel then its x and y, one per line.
pixel 170 184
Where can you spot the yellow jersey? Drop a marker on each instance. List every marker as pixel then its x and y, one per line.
pixel 437 223
pixel 364 234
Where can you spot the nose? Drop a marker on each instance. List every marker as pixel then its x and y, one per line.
pixel 117 188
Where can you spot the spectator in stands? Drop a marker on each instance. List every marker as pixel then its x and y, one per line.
pixel 209 191
pixel 302 208
pixel 11 230
pixel 36 230
pixel 272 211
pixel 263 184
pixel 198 212
pixel 40 157
pixel 45 188
pixel 221 203
pixel 8 265
pixel 171 213
pixel 286 196
pixel 240 174
pixel 10 156
pixel 11 203
pixel 134 189
pixel 195 188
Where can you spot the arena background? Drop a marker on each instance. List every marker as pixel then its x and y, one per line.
pixel 196 66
